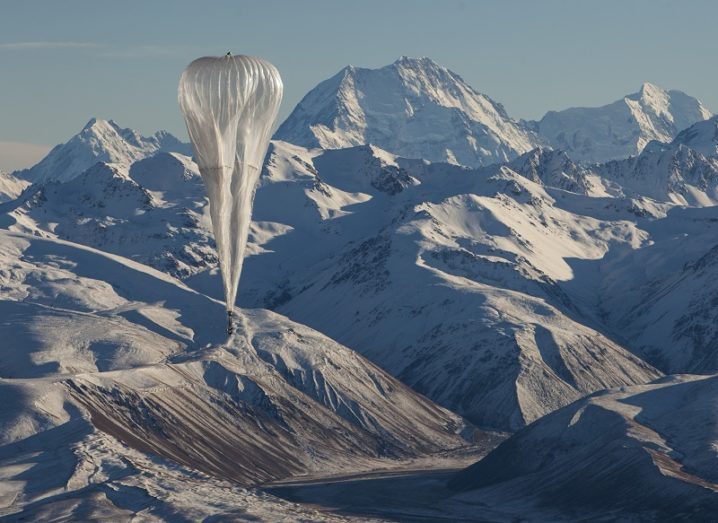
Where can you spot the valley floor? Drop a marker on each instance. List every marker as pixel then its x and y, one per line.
pixel 400 494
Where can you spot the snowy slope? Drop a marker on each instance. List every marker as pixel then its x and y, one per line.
pixel 644 453
pixel 473 241
pixel 623 128
pixel 71 471
pixel 662 298
pixel 100 141
pixel 414 108
pixel 517 256
pixel 11 186
pixel 98 338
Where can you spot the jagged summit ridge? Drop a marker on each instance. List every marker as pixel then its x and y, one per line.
pixel 413 107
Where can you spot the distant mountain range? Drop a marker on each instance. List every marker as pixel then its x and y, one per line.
pixel 417 109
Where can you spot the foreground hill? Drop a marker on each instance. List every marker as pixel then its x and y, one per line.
pixel 643 453
pixel 109 363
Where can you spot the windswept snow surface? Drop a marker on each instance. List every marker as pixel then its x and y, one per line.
pixel 128 399
pixel 413 107
pixel 622 128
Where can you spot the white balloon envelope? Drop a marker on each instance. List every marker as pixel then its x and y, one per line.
pixel 230 104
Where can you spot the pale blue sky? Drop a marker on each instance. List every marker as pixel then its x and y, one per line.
pixel 65 61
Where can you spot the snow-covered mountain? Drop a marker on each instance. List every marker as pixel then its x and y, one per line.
pixel 100 141
pixel 643 453
pixel 414 108
pixel 106 359
pixel 554 168
pixel 433 255
pixel 665 173
pixel 410 240
pixel 622 128
pixel 701 136
pixel 662 297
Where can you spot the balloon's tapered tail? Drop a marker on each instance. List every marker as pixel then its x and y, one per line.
pixel 230 325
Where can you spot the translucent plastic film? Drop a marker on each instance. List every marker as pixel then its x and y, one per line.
pixel 230 104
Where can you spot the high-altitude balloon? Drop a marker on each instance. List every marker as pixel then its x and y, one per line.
pixel 230 104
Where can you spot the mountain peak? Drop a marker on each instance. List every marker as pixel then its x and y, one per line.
pixel 414 108
pixel 409 61
pixel 622 128
pixel 91 123
pixel 649 89
pixel 100 141
pixel 101 124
